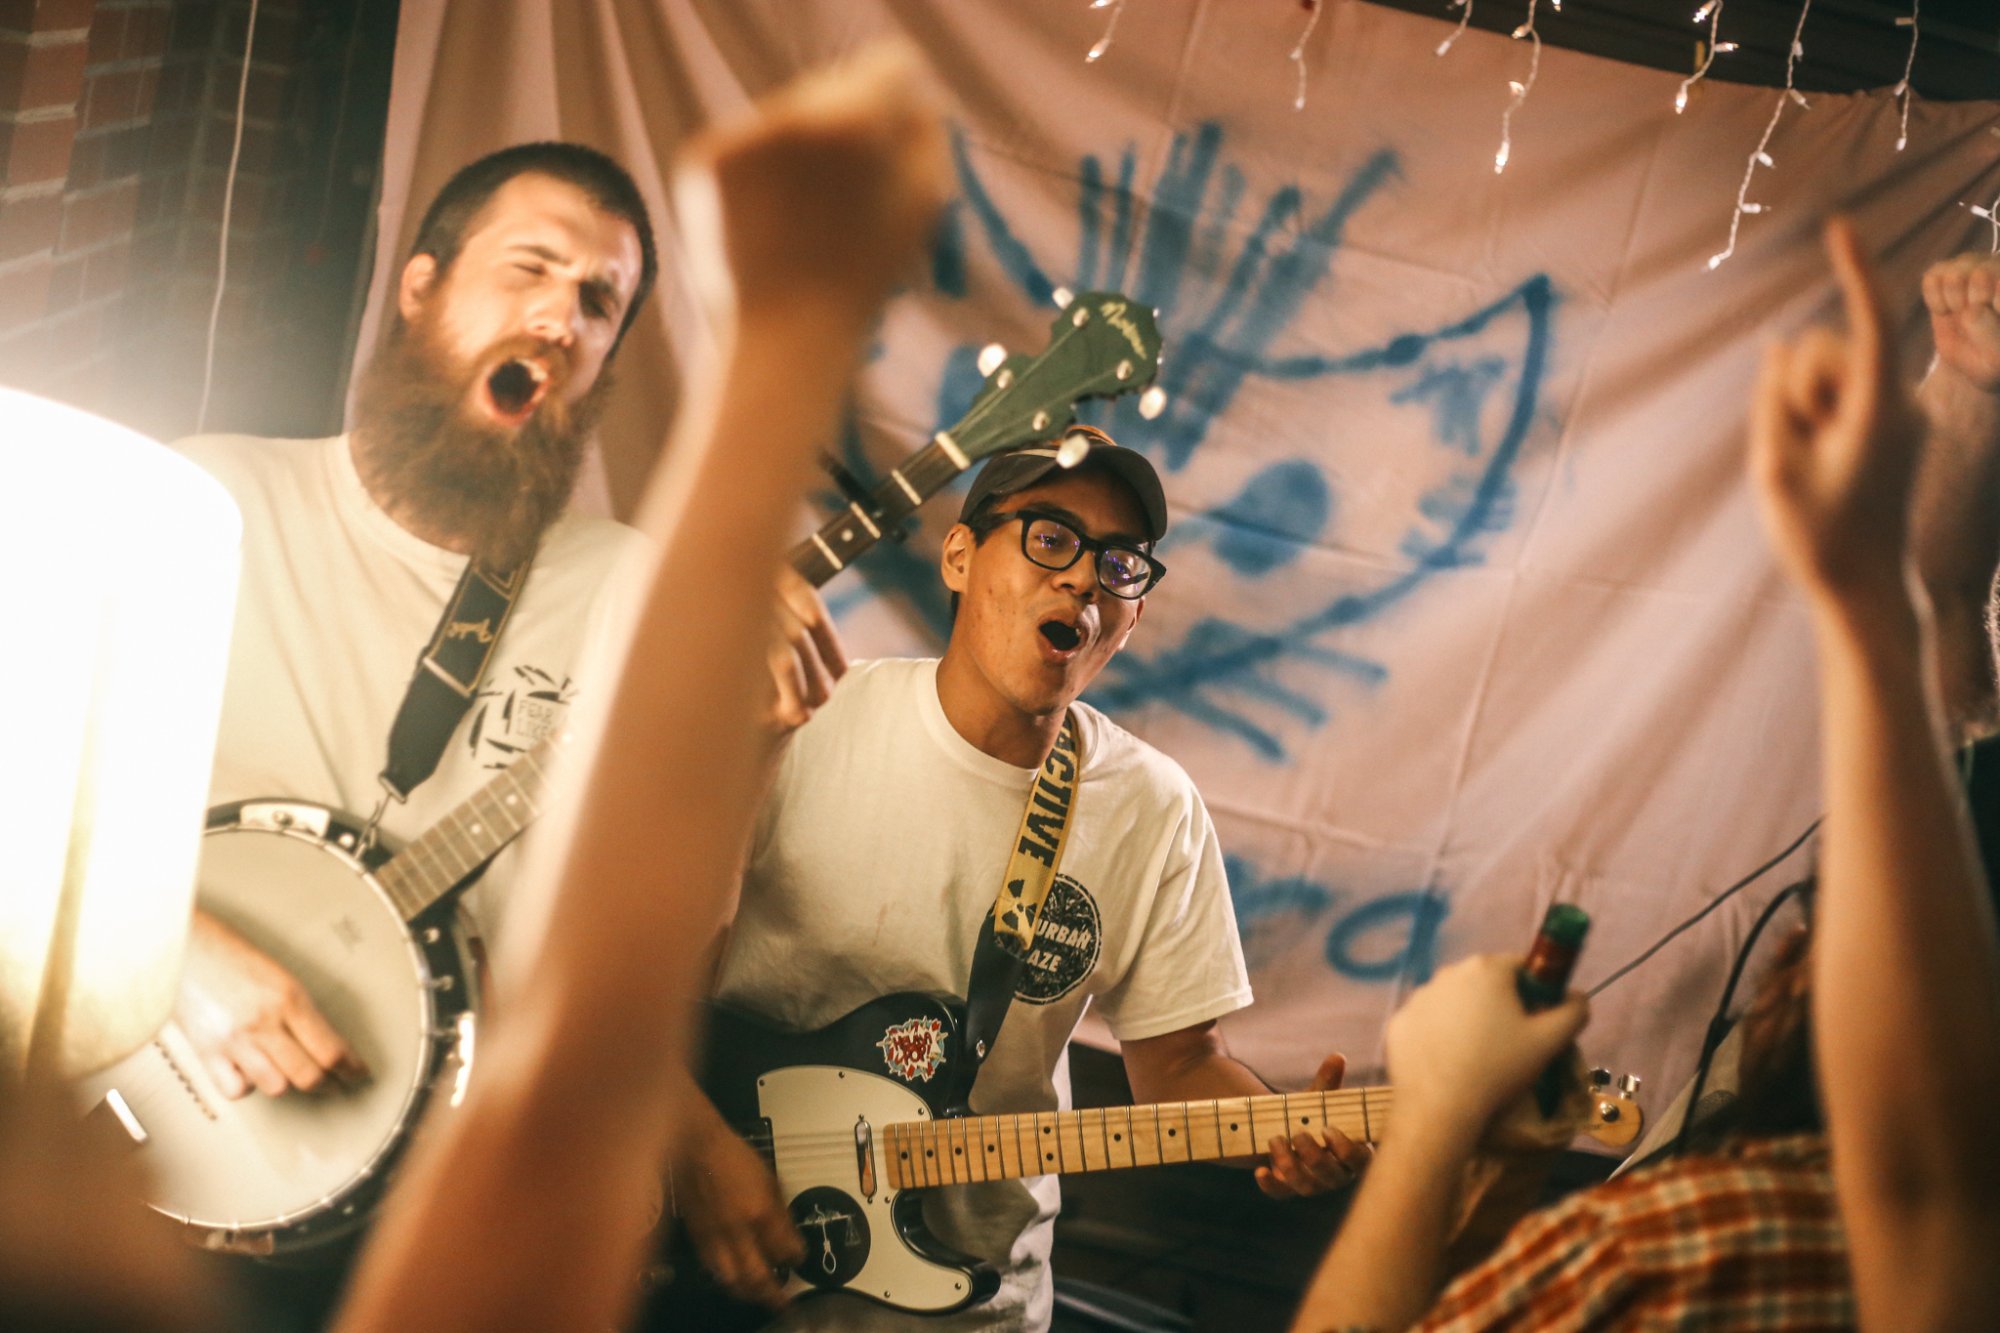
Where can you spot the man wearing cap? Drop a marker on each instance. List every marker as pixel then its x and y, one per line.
pixel 895 816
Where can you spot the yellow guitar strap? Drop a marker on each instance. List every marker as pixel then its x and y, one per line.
pixel 1031 868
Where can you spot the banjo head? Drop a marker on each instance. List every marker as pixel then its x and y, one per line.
pixel 277 1173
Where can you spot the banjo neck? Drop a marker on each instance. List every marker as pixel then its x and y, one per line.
pixel 859 526
pixel 420 875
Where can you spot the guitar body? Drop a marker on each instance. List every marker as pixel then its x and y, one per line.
pixel 276 1175
pixel 817 1101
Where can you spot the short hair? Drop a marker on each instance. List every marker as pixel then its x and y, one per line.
pixel 606 184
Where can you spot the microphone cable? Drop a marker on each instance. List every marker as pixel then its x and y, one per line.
pixel 1713 903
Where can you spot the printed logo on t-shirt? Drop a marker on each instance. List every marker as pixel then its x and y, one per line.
pixel 913 1050
pixel 515 713
pixel 1067 939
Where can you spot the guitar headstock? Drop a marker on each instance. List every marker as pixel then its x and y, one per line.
pixel 1614 1117
pixel 1100 346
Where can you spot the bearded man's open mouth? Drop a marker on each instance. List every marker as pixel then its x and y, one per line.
pixel 516 388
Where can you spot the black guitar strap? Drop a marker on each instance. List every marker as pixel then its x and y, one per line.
pixel 1007 935
pixel 448 673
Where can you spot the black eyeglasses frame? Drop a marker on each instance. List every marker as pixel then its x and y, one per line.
pixel 985 523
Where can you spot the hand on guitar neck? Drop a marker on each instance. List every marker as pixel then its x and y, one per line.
pixel 251 1021
pixel 806 656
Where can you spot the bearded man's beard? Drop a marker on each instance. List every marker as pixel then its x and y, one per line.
pixel 491 488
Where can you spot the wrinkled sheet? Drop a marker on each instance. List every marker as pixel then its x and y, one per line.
pixel 1469 610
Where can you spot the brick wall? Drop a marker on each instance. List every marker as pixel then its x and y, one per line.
pixel 44 52
pixel 117 120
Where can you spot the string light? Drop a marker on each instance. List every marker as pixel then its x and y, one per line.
pixel 1910 63
pixel 1458 32
pixel 1711 13
pixel 1991 214
pixel 1299 51
pixel 1117 8
pixel 1518 89
pixel 1758 156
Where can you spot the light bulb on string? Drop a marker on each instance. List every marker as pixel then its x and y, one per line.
pixel 1299 51
pixel 1990 214
pixel 1711 13
pixel 1760 155
pixel 1117 8
pixel 1458 32
pixel 1903 86
pixel 1518 89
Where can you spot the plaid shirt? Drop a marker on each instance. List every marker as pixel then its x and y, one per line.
pixel 1749 1238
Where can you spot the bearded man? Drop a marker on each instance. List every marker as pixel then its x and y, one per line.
pixel 470 426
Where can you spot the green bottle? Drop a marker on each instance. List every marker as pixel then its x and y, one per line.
pixel 1543 981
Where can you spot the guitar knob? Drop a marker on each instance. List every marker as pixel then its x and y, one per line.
pixel 990 357
pixel 1600 1079
pixel 1628 1084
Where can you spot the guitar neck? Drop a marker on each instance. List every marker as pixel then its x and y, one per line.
pixel 924 1153
pixel 856 528
pixel 466 838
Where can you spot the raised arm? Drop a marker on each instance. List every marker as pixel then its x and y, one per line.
pixel 1906 974
pixel 529 1206
pixel 1461 1051
pixel 1956 522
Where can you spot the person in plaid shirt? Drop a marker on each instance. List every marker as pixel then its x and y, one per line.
pixel 1890 1216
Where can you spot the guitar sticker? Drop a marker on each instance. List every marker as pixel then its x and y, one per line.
pixel 913 1050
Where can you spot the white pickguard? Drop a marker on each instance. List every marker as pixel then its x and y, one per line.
pixel 813 1110
pixel 258 1163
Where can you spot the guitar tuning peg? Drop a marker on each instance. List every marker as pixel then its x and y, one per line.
pixel 990 357
pixel 1062 296
pixel 1071 451
pixel 1152 402
pixel 1600 1079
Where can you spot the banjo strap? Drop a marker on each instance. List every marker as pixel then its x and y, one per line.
pixel 448 673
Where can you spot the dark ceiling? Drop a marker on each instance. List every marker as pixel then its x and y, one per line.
pixel 1849 44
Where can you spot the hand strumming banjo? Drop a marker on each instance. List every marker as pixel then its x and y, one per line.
pixel 377 940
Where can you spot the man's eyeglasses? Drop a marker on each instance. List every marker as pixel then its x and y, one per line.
pixel 1122 570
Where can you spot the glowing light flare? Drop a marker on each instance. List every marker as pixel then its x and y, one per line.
pixel 120 645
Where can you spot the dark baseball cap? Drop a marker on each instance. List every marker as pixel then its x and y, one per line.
pixel 1022 468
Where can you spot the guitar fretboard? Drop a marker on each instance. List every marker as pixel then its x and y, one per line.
pixel 925 1153
pixel 464 839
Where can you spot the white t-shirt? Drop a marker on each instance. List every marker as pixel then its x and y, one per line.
pixel 338 599
pixel 876 859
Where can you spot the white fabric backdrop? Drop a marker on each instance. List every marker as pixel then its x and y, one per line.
pixel 1469 610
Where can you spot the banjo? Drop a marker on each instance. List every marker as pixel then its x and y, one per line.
pixel 377 938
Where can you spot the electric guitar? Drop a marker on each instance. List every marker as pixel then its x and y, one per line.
pixel 852 1120
pixel 376 939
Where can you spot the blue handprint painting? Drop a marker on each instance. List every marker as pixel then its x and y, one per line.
pixel 1231 275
